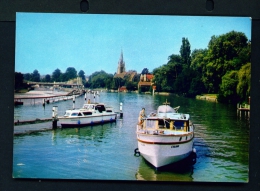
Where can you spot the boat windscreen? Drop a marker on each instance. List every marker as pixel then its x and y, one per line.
pixel 67 114
pixel 88 106
pixel 165 109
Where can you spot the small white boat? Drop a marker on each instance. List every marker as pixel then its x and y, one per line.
pixel 89 114
pixel 165 137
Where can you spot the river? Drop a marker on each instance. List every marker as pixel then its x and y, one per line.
pixel 106 152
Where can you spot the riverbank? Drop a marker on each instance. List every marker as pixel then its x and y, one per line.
pixel 208 97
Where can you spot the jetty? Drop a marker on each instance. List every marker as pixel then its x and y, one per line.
pixel 28 127
pixel 46 96
pixel 245 107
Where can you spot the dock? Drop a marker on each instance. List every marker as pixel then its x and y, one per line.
pixel 28 128
pixel 245 107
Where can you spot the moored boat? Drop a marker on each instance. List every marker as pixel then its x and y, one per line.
pixel 89 114
pixel 166 136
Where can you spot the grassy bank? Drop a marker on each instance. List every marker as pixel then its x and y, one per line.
pixel 208 97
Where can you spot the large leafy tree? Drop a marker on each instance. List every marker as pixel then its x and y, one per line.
pixel 27 76
pixel 228 87
pixel 185 52
pixel 101 79
pixel 70 73
pixel 174 62
pixel 47 78
pixel 81 74
pixel 56 75
pixel 225 53
pixel 36 76
pixel 244 78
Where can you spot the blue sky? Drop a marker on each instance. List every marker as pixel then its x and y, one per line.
pixel 91 42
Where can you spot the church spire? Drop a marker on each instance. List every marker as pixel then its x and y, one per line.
pixel 121 57
pixel 121 64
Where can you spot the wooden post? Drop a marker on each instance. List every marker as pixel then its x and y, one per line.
pixel 121 108
pixel 54 117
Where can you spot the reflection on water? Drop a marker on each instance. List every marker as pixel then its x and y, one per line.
pixel 180 171
pixel 107 151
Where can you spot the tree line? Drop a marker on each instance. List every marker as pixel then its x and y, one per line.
pixel 101 79
pixel 57 76
pixel 223 68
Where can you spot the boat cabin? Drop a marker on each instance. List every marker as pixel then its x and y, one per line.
pixel 87 109
pixel 167 118
pixel 178 125
pixel 97 107
pixel 76 113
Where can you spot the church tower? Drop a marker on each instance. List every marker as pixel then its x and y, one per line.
pixel 121 64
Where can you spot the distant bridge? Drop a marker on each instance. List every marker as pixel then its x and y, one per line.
pixel 54 84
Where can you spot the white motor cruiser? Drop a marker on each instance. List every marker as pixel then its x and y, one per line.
pixel 89 114
pixel 165 137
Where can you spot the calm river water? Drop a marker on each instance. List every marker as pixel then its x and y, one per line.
pixel 106 152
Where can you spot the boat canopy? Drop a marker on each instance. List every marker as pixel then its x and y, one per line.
pixel 165 109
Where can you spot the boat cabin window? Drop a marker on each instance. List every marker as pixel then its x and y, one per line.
pixel 86 106
pixel 79 114
pixel 163 124
pixel 87 113
pixel 178 125
pixel 100 108
pixel 74 114
pixel 151 123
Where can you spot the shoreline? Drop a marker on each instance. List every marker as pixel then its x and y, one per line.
pixel 208 97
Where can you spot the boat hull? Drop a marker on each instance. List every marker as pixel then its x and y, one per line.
pixel 86 120
pixel 163 153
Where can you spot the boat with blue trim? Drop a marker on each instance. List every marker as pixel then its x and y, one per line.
pixel 89 114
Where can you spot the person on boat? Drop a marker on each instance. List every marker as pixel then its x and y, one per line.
pixel 141 116
pixel 88 100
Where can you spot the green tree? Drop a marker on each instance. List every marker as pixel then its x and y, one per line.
pixel 228 87
pixel 175 64
pixel 47 78
pixel 131 86
pixel 27 77
pixel 70 73
pixel 36 76
pixel 244 78
pixel 118 82
pixel 196 86
pixel 185 52
pixel 225 53
pixel 81 74
pixel 56 75
pixel 100 80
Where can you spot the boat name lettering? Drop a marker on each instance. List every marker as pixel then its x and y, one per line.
pixel 175 146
